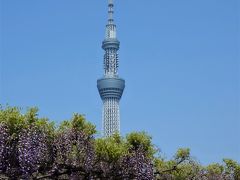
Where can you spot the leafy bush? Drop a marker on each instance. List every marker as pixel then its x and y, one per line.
pixel 34 148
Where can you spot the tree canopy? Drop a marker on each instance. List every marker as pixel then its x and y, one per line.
pixel 35 148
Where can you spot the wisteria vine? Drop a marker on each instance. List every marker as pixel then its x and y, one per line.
pixel 32 148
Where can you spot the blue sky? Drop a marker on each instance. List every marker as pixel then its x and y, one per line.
pixel 180 60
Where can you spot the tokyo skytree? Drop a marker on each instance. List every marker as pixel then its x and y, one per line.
pixel 110 87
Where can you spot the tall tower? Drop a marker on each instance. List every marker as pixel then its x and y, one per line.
pixel 110 87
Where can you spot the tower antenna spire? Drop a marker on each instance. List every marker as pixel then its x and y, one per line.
pixel 110 11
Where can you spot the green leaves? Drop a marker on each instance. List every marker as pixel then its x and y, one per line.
pixel 115 147
pixel 79 122
pixel 31 116
pixel 215 168
pixel 179 168
pixel 111 148
pixel 16 120
pixel 136 140
pixel 12 117
pixel 183 166
pixel 232 167
pixel 230 164
pixel 182 154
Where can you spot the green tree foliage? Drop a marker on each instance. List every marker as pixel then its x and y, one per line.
pixel 35 148
pixel 141 140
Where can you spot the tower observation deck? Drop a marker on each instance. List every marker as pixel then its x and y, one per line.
pixel 110 87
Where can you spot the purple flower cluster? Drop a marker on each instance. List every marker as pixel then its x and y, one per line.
pixel 4 147
pixel 137 166
pixel 33 150
pixel 74 148
pixel 39 152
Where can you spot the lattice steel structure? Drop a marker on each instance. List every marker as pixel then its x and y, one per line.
pixel 110 87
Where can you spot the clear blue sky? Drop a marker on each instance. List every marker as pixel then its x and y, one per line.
pixel 180 60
